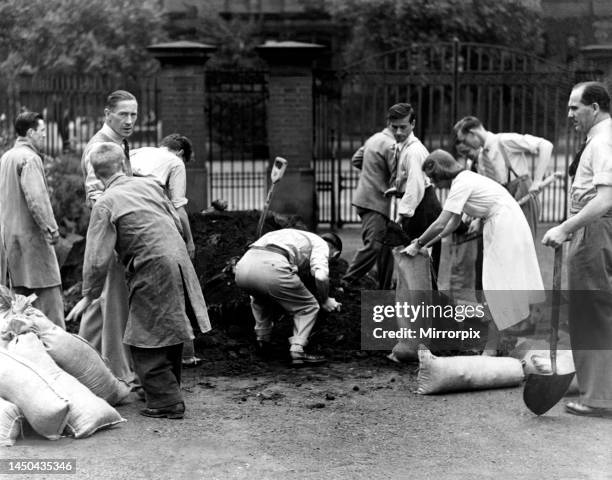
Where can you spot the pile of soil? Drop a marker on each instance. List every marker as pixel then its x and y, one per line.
pixel 221 238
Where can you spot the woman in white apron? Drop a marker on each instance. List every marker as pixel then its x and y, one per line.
pixel 511 275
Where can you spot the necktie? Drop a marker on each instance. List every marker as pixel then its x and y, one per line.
pixel 574 165
pixel 126 163
pixel 484 162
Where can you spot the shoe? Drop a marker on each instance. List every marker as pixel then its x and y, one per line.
pixel 176 411
pixel 139 391
pixel 191 362
pixel 577 408
pixel 299 359
pixel 263 348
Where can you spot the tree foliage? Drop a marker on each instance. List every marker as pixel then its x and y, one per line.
pixel 375 26
pixel 85 36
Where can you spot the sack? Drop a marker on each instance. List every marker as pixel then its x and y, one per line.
pixel 80 359
pixel 10 423
pixel 88 413
pixel 43 406
pixel 476 372
pixel 519 187
pixel 413 280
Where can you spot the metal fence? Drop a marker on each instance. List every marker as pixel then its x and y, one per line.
pixel 73 107
pixel 237 137
pixel 507 89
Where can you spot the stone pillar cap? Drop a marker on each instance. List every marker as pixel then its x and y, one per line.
pixel 289 51
pixel 181 51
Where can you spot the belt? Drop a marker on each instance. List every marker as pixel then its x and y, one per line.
pixel 273 249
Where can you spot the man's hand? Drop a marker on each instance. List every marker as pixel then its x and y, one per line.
pixel 78 309
pixel 52 237
pixel 535 186
pixel 330 305
pixel 555 236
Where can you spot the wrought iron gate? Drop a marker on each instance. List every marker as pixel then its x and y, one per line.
pixel 237 137
pixel 509 90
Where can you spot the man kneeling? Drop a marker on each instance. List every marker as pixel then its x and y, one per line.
pixel 134 218
pixel 270 272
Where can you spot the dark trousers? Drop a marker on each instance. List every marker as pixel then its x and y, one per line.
pixel 159 371
pixel 373 252
pixel 424 215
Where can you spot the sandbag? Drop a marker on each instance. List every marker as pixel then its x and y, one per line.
pixel 11 420
pixel 474 372
pixel 535 357
pixel 80 359
pixel 88 413
pixel 43 406
pixel 413 280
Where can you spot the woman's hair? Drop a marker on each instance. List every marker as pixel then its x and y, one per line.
pixel 440 165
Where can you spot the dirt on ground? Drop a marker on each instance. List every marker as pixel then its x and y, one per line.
pixel 356 417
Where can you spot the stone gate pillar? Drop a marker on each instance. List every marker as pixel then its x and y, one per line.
pixel 290 124
pixel 182 106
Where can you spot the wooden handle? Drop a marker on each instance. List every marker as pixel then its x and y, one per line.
pixel 556 305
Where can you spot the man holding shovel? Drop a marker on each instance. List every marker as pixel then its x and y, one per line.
pixel 271 271
pixel 590 252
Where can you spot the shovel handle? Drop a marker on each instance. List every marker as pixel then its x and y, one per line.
pixel 556 304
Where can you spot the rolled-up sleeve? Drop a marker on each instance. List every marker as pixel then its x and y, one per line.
pixel 177 186
pixel 93 186
pixel 601 153
pixel 319 258
pixel 99 250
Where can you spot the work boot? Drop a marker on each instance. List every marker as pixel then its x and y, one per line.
pixel 176 411
pixel 299 359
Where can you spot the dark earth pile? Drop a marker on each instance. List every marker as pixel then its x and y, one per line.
pixel 221 238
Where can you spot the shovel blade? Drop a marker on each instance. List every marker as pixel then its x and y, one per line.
pixel 542 392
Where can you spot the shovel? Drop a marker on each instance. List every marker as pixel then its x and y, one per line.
pixel 278 170
pixel 543 391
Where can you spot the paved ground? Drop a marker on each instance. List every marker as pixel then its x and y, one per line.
pixel 356 420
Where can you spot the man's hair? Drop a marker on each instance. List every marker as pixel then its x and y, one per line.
pixel 594 92
pixel 440 165
pixel 401 110
pixel 333 240
pixel 466 124
pixel 106 159
pixel 176 142
pixel 118 96
pixel 25 121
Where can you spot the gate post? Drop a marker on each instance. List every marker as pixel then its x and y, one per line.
pixel 182 105
pixel 290 124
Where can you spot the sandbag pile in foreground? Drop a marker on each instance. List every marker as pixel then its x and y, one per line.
pixel 51 379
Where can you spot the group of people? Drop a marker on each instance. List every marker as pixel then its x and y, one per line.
pixel 142 301
pixel 480 192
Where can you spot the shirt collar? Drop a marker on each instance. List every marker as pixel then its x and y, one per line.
pixel 490 139
pixel 26 142
pixel 112 134
pixel 599 127
pixel 113 179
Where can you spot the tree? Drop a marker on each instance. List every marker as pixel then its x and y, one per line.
pixel 375 26
pixel 79 36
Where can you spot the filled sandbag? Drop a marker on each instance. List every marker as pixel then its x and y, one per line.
pixel 10 423
pixel 43 406
pixel 80 359
pixel 88 413
pixel 72 353
pixel 474 372
pixel 535 357
pixel 413 281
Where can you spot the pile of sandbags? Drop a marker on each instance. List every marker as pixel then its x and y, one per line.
pixel 54 380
